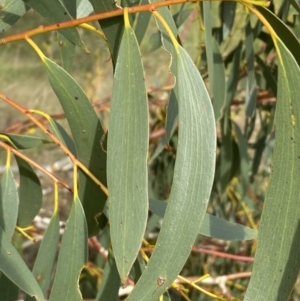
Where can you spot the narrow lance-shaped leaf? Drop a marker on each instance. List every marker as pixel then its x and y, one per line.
pixel 141 23
pixel 72 257
pixel 215 64
pixel 251 90
pixel 192 183
pixel 24 141
pixel 172 108
pixel 87 134
pixel 67 48
pixel 63 136
pixel 285 34
pixel 13 266
pixel 10 12
pixel 211 226
pixel 127 150
pixel 8 290
pixel 109 289
pixel 9 203
pixel 43 269
pixel 30 193
pixel 244 157
pixel 84 8
pixel 55 12
pixel 276 264
pixel 228 14
pixel 112 27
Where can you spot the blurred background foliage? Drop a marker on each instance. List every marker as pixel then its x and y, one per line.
pixel 245 127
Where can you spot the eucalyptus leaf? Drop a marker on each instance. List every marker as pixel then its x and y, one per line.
pixel 24 141
pixel 9 203
pixel 56 12
pixel 109 289
pixel 13 266
pixel 8 290
pixel 112 27
pixel 276 258
pixel 72 257
pixel 127 150
pixel 10 12
pixel 43 269
pixel 212 226
pixel 192 183
pixel 87 133
pixel 30 194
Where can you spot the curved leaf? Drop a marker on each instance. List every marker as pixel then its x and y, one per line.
pixel 112 27
pixel 276 263
pixel 8 290
pixel 67 48
pixel 72 257
pixel 141 23
pixel 9 202
pixel 192 183
pixel 43 269
pixel 215 64
pixel 13 266
pixel 55 11
pixel 212 226
pixel 10 12
pixel 127 149
pixel 87 133
pixel 30 193
pixel 25 141
pixel 110 284
pixel 251 90
pixel 63 136
pixel 284 33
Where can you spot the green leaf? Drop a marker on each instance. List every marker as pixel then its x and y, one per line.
pixel 13 266
pixel 141 23
pixel 127 150
pixel 63 136
pixel 183 14
pixel 8 290
pixel 171 118
pixel 228 14
pixel 276 263
pixel 192 183
pixel 30 194
pixel 233 78
pixel 43 269
pixel 236 31
pixel 225 163
pixel 9 202
pixel 172 108
pixel 67 51
pixel 212 226
pixel 112 27
pixel 269 77
pixel 283 32
pixel 84 8
pixel 67 48
pixel 110 284
pixel 87 133
pixel 24 141
pixel 216 68
pixel 251 90
pixel 244 157
pixel 72 257
pixel 55 12
pixel 10 12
